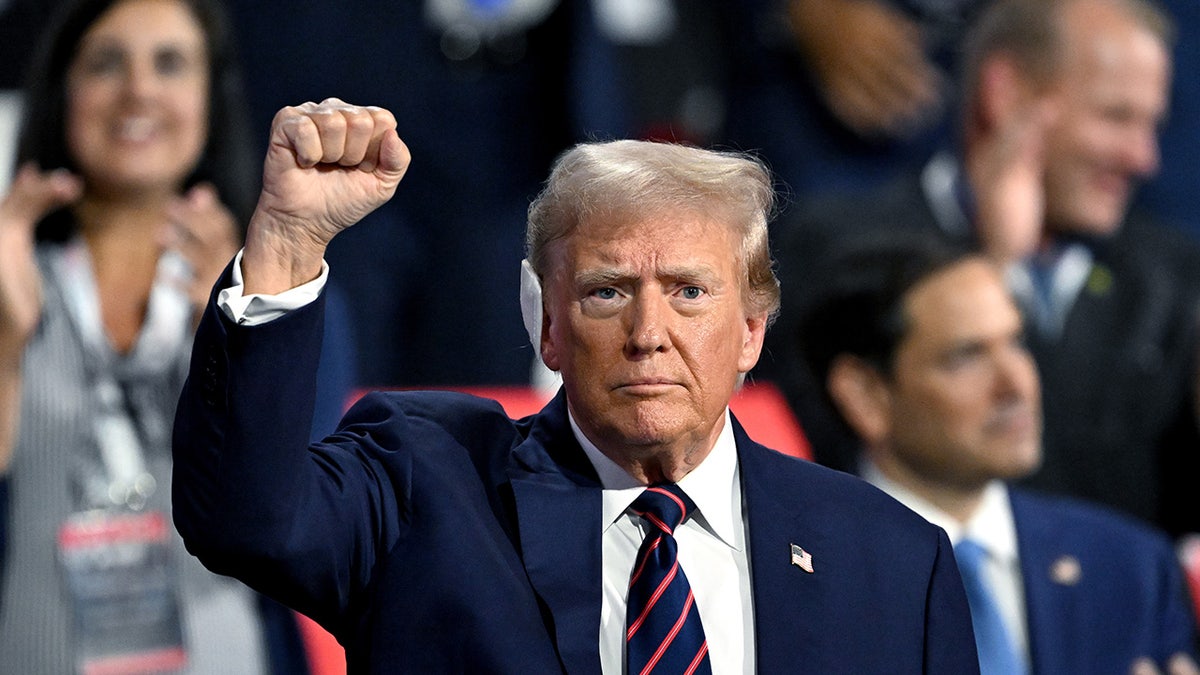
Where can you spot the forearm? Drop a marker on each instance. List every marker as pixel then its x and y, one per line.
pixel 251 498
pixel 10 413
pixel 240 434
pixel 276 260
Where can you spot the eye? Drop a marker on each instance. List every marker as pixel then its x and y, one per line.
pixel 102 61
pixel 602 301
pixel 691 292
pixel 170 62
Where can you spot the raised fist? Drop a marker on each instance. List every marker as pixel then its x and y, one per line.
pixel 328 165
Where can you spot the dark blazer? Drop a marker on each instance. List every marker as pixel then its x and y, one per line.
pixel 1116 384
pixel 1100 589
pixel 431 533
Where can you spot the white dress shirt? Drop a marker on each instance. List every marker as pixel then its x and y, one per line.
pixel 712 544
pixel 257 308
pixel 712 552
pixel 993 528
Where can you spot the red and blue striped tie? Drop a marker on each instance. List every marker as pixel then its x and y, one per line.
pixel 663 630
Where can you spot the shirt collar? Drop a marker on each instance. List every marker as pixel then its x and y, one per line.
pixel 991 526
pixel 713 485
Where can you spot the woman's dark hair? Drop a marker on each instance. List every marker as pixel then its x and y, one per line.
pixel 227 160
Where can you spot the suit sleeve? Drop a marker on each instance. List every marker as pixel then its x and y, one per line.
pixel 250 497
pixel 949 634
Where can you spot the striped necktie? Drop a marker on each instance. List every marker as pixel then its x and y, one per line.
pixel 663 630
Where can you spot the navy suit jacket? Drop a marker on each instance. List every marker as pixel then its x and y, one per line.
pixel 431 533
pixel 1100 589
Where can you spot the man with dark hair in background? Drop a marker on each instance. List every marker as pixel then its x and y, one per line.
pixel 920 348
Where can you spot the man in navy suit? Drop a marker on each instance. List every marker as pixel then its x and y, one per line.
pixel 431 533
pixel 919 345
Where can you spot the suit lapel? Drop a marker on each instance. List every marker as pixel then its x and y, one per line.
pixel 783 592
pixel 1040 548
pixel 551 477
pixel 558 501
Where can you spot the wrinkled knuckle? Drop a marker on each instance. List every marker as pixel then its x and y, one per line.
pixel 291 112
pixel 382 116
pixel 292 123
pixel 330 120
pixel 360 122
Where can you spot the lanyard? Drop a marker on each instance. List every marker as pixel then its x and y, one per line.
pixel 119 425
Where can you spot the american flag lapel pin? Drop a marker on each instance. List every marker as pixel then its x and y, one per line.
pixel 802 559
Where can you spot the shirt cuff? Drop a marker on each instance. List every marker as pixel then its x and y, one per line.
pixel 259 308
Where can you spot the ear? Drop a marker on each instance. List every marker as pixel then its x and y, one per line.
pixel 1003 91
pixel 549 347
pixel 752 341
pixel 862 397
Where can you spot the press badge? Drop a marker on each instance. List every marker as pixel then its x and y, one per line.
pixel 123 592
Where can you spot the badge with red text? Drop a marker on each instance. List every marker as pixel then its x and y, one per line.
pixel 123 593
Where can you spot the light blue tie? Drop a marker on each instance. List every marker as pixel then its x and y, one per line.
pixel 997 656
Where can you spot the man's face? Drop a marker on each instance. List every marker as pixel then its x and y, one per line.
pixel 646 322
pixel 965 401
pixel 1112 95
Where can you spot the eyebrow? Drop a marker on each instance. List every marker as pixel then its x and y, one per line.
pixel 608 276
pixel 975 343
pixel 600 277
pixel 109 47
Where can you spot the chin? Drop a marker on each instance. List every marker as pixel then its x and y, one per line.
pixel 1020 467
pixel 1103 229
pixel 651 431
pixel 1105 216
pixel 647 434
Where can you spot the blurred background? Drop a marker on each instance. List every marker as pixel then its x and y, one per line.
pixel 838 97
pixel 487 92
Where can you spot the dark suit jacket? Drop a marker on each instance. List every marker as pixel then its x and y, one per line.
pixel 1116 384
pixel 1100 589
pixel 432 533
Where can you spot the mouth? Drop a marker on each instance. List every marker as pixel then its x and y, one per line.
pixel 134 129
pixel 1113 184
pixel 1017 420
pixel 651 386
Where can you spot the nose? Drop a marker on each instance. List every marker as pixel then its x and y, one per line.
pixel 1016 375
pixel 648 330
pixel 140 79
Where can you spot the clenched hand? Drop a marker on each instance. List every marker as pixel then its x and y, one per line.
pixel 328 165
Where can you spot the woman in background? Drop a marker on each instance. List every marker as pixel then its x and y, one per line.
pixel 134 181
